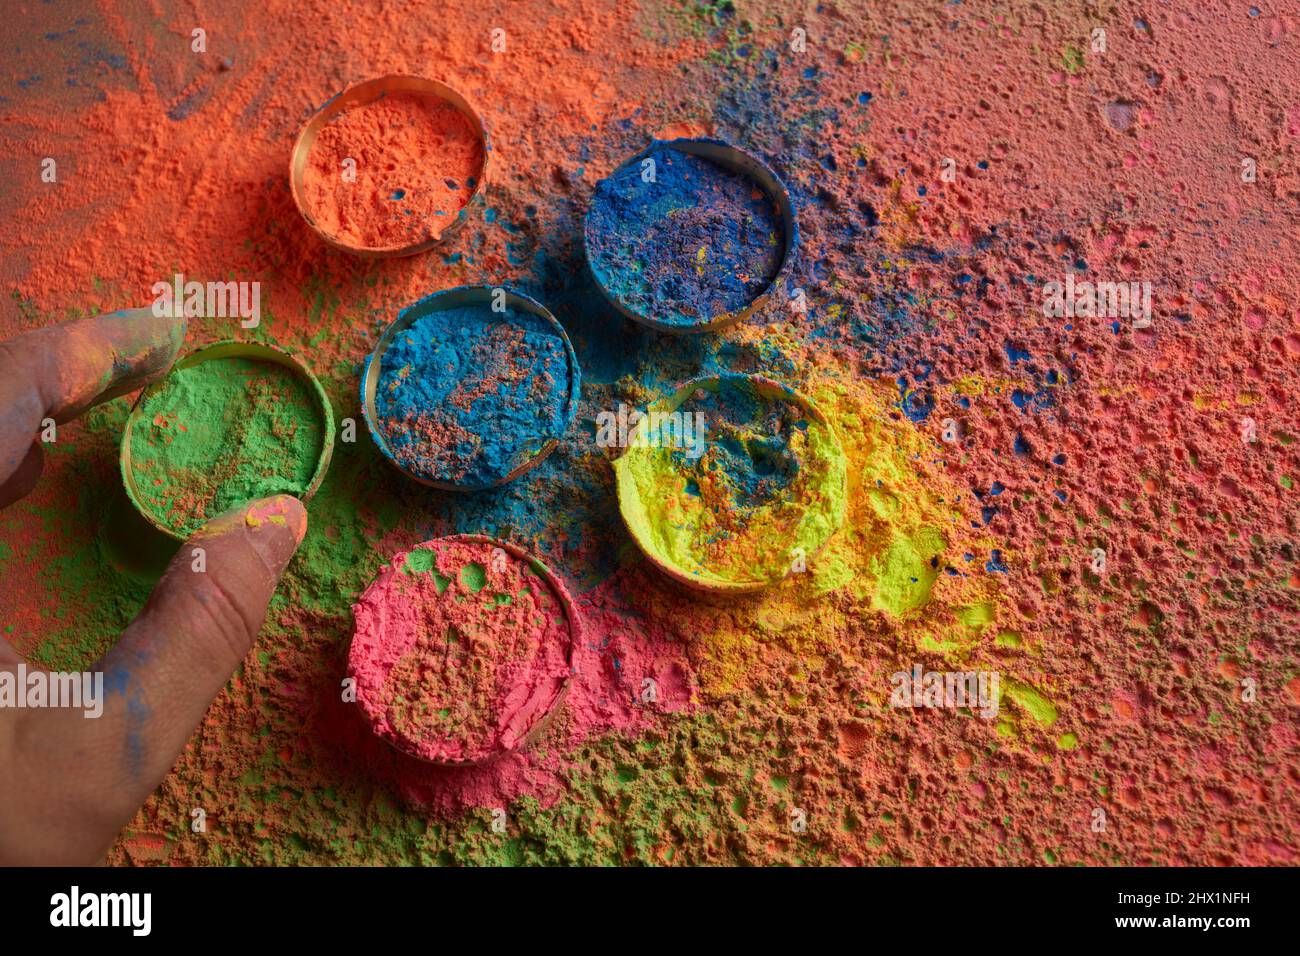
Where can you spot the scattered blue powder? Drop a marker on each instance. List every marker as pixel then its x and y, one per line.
pixel 1015 354
pixel 917 406
pixel 467 395
pixel 698 242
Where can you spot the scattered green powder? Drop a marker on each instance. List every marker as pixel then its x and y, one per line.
pixel 1008 639
pixel 906 572
pixel 1038 706
pixel 221 433
pixel 473 576
pixel 420 561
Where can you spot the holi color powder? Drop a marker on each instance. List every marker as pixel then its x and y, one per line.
pixel 467 396
pixel 220 433
pixel 460 651
pixel 684 241
pixel 416 162
pixel 962 548
pixel 761 493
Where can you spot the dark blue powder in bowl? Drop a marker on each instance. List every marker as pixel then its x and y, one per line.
pixel 695 242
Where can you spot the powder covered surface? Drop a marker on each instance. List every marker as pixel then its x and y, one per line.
pixel 221 433
pixel 416 164
pixel 468 395
pixel 460 650
pixel 692 243
pixel 1121 690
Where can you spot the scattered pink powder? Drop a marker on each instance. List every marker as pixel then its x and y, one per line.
pixel 618 646
pixel 460 651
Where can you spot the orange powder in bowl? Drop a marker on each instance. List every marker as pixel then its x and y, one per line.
pixel 392 173
pixel 461 650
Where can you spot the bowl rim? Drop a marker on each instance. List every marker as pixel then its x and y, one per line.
pixel 768 387
pixel 575 630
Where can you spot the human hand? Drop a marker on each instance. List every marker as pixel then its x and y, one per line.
pixel 69 784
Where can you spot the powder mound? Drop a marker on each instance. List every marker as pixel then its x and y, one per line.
pixel 415 163
pixel 467 395
pixel 684 241
pixel 460 650
pixel 218 434
pixel 764 487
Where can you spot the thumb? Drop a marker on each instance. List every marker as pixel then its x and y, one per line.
pixel 202 618
pixel 160 678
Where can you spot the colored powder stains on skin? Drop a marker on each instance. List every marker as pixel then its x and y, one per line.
pixel 467 396
pixel 416 164
pixel 758 488
pixel 697 242
pixel 460 650
pixel 221 433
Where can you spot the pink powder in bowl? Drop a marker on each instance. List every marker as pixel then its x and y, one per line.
pixel 462 648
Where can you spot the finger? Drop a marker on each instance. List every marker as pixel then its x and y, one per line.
pixel 24 478
pixel 160 679
pixel 59 371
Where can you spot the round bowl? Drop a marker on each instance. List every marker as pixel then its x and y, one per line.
pixel 441 301
pixel 222 350
pixel 736 160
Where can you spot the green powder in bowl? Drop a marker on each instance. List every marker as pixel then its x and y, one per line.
pixel 732 483
pixel 232 423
